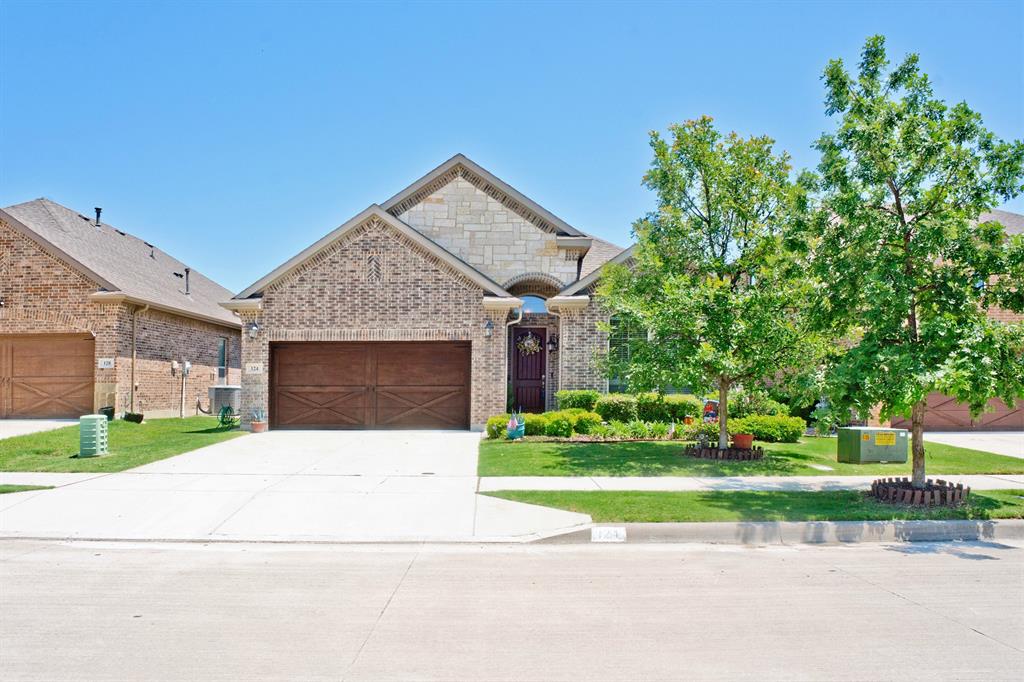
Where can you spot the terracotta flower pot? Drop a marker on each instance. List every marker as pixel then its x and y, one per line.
pixel 743 441
pixel 259 427
pixel 687 420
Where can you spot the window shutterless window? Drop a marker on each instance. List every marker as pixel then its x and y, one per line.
pixel 222 360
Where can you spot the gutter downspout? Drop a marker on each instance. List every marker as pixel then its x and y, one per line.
pixel 135 314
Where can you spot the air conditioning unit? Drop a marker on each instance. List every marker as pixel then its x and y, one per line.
pixel 225 395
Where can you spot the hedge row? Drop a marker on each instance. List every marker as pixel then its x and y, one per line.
pixel 624 407
pixel 562 423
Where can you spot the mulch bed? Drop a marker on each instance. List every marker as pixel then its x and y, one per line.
pixel 935 493
pixel 739 454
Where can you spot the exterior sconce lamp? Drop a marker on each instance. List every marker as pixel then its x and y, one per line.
pixel 254 329
pixel 488 328
pixel 552 344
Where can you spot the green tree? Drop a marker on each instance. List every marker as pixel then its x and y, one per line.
pixel 712 281
pixel 907 272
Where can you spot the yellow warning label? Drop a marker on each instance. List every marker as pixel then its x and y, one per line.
pixel 885 438
pixel 866 436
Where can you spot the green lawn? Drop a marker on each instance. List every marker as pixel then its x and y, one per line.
pixel 131 445
pixel 635 507
pixel 22 488
pixel 665 458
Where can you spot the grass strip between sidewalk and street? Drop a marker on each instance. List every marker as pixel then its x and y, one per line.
pixel 809 457
pixel 840 505
pixel 4 489
pixel 130 445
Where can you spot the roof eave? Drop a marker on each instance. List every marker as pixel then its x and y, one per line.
pixel 112 297
pixel 583 283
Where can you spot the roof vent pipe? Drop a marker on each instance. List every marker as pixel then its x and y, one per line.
pixel 98 211
pixel 187 271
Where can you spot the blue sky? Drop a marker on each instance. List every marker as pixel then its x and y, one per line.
pixel 235 134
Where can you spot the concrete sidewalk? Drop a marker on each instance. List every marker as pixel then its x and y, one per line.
pixel 686 483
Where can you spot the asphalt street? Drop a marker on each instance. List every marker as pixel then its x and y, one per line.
pixel 225 611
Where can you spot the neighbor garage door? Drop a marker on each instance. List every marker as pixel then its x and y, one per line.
pixel 946 414
pixel 369 385
pixel 46 376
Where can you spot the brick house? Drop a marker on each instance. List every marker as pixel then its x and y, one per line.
pixel 440 307
pixel 91 316
pixel 946 414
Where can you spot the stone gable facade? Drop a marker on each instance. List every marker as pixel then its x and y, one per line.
pixel 44 295
pixel 488 235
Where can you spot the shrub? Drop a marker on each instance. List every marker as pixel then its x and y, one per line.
pixel 618 429
pixel 658 430
pixel 770 428
pixel 650 407
pixel 616 407
pixel 638 429
pixel 536 424
pixel 679 407
pixel 587 422
pixel 497 424
pixel 559 425
pixel 584 400
pixel 691 431
pixel 601 431
pixel 744 403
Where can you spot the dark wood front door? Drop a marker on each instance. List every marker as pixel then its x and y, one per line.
pixel 528 369
pixel 421 385
pixel 46 376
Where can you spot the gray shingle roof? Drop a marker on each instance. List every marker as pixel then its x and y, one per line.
pixel 1012 222
pixel 600 252
pixel 128 264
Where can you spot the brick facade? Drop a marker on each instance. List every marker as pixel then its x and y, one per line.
pixel 375 284
pixel 582 344
pixel 45 295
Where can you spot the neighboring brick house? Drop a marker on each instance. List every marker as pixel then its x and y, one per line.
pixel 91 316
pixel 946 414
pixel 440 307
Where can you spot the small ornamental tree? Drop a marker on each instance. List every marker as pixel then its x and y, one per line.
pixel 907 272
pixel 711 284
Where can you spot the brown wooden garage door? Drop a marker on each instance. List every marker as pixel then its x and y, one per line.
pixel 46 376
pixel 946 414
pixel 369 385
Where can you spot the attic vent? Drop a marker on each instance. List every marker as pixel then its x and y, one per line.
pixel 152 251
pixel 119 232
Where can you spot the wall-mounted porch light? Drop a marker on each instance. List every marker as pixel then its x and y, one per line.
pixel 552 344
pixel 254 329
pixel 488 328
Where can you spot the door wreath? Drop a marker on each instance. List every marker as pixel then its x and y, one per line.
pixel 528 344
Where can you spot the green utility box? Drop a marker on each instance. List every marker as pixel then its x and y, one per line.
pixel 92 439
pixel 863 444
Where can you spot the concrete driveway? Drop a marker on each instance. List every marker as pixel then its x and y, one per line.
pixel 1009 443
pixel 343 486
pixel 19 427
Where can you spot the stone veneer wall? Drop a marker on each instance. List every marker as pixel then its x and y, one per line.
pixel 374 284
pixel 489 236
pixel 45 295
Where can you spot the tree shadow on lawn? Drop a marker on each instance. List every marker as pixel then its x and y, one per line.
pixel 662 459
pixel 215 429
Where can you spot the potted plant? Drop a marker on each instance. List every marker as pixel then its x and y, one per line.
pixel 135 417
pixel 516 428
pixel 743 441
pixel 259 421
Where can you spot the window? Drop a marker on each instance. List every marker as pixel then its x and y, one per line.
pixel 625 334
pixel 222 361
pixel 534 304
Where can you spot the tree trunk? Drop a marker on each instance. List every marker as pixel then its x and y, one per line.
pixel 917 443
pixel 723 413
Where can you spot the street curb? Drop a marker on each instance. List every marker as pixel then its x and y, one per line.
pixel 809 532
